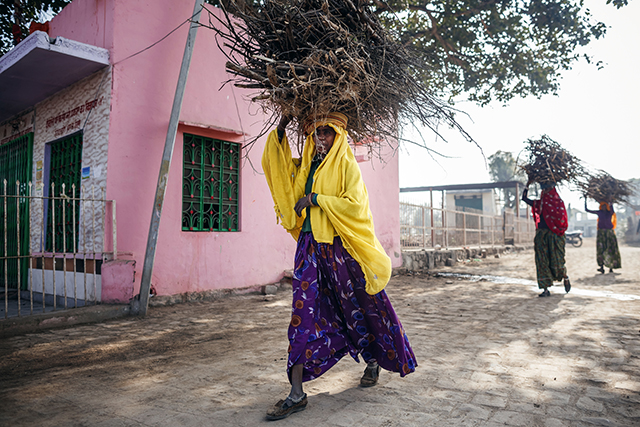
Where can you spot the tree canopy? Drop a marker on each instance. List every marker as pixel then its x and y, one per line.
pixel 502 168
pixel 494 49
pixel 17 15
pixel 485 49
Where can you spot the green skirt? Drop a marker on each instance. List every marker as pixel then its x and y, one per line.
pixel 549 250
pixel 607 252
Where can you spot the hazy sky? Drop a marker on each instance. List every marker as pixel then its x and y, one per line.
pixel 595 116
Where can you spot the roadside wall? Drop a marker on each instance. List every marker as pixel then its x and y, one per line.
pixel 425 260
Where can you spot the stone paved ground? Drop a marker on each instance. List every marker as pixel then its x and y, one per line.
pixel 489 355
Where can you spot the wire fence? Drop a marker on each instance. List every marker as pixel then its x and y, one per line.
pixel 425 227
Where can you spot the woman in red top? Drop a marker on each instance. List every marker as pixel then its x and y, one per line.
pixel 550 216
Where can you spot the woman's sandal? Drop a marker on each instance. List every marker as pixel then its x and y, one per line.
pixel 286 407
pixel 370 376
pixel 567 285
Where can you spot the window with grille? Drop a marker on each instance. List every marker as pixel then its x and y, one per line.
pixel 15 166
pixel 65 166
pixel 210 182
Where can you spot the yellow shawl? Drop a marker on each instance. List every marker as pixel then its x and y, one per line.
pixel 342 197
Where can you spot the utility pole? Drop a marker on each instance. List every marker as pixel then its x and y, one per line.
pixel 140 307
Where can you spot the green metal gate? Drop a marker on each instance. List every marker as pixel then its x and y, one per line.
pixel 64 168
pixel 16 159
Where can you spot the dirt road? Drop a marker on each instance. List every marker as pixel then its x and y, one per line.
pixel 489 354
pixel 581 267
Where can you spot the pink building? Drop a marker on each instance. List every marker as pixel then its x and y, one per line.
pixel 91 101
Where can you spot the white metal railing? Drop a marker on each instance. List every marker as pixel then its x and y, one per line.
pixel 37 272
pixel 426 227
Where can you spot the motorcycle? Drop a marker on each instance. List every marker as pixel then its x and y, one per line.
pixel 574 237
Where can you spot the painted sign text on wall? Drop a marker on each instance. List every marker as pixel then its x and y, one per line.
pixel 87 106
pixel 17 135
pixel 66 129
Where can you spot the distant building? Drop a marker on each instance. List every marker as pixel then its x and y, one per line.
pixel 579 220
pixel 479 201
pixel 474 210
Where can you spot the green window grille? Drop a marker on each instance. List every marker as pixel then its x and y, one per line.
pixel 210 182
pixel 64 168
pixel 16 160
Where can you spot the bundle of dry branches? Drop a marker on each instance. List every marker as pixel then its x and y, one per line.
pixel 548 162
pixel 602 187
pixel 308 58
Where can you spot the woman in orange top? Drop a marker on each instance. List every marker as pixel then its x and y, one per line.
pixel 607 251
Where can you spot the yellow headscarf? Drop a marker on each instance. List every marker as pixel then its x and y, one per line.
pixel 342 197
pixel 335 119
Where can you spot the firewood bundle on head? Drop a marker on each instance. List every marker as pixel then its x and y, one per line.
pixel 308 58
pixel 602 187
pixel 548 163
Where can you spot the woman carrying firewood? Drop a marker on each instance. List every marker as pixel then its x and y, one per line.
pixel 607 251
pixel 339 305
pixel 551 221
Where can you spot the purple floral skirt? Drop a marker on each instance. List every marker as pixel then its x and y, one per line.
pixel 332 314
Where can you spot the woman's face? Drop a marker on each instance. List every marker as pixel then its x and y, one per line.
pixel 323 137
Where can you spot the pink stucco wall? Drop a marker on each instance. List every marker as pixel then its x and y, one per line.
pixel 117 279
pixel 89 22
pixel 143 88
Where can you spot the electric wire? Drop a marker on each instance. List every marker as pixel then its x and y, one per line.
pixel 189 19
